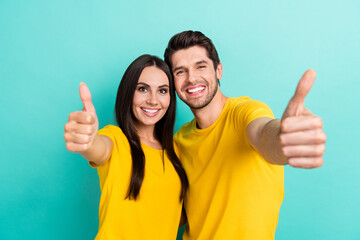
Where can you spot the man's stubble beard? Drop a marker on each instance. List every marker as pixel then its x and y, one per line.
pixel 208 99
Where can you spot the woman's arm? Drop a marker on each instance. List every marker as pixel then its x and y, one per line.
pixel 81 132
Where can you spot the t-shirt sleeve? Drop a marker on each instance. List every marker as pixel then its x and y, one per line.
pixel 176 144
pixel 176 148
pixel 250 110
pixel 111 132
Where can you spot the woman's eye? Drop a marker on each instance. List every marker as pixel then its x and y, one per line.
pixel 163 91
pixel 142 89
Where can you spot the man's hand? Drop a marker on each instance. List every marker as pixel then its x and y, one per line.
pixel 302 137
pixel 82 127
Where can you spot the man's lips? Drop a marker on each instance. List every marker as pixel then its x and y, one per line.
pixel 195 90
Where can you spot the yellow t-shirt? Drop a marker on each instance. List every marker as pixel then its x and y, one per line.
pixel 156 212
pixel 234 193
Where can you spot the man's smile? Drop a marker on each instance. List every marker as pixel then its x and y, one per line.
pixel 196 90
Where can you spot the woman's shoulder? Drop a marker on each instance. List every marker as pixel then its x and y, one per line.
pixel 111 129
pixel 115 133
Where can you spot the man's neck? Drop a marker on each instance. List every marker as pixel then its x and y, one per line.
pixel 206 116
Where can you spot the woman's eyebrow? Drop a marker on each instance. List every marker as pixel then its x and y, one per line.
pixel 143 84
pixel 147 85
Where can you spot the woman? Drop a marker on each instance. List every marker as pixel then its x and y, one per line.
pixel 141 179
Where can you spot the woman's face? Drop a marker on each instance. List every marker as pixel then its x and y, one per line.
pixel 152 97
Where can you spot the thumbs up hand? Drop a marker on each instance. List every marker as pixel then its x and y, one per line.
pixel 302 137
pixel 82 126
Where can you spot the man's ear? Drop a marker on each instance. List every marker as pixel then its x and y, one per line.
pixel 219 70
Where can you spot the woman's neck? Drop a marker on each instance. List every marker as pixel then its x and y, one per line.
pixel 147 136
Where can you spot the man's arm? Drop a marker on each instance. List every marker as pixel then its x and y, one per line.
pixel 297 139
pixel 264 135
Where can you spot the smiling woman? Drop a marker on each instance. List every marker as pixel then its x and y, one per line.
pixel 151 100
pixel 136 160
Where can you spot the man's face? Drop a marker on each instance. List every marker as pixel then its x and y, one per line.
pixel 195 77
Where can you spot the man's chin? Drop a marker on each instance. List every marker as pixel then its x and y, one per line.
pixel 197 105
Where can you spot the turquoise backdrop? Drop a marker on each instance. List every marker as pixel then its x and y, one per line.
pixel 48 47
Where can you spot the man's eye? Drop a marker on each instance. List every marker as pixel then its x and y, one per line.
pixel 163 91
pixel 179 72
pixel 201 66
pixel 142 89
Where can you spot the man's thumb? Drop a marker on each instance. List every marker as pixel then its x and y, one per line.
pixel 304 86
pixel 296 103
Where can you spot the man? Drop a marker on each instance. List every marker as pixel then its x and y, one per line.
pixel 234 149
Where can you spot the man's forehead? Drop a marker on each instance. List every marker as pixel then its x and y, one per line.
pixel 189 56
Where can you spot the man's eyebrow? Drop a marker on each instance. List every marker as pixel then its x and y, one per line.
pixel 196 63
pixel 177 68
pixel 201 62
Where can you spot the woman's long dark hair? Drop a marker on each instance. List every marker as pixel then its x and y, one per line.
pixel 163 128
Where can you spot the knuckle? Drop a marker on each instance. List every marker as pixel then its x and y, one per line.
pixel 318 122
pixel 68 146
pixel 318 162
pixel 91 129
pixel 285 151
pixel 320 149
pixel 67 127
pixel 284 125
pixel 66 137
pixel 72 116
pixel 86 138
pixel 319 136
pixel 282 139
pixel 82 147
pixel 321 123
pixel 89 118
pixel 323 149
pixel 322 137
pixel 85 147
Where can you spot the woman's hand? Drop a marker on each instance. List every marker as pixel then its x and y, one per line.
pixel 82 127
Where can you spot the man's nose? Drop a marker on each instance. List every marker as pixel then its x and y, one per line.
pixel 192 76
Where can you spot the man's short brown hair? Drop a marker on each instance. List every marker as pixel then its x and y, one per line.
pixel 188 39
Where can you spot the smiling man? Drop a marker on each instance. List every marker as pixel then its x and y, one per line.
pixel 234 150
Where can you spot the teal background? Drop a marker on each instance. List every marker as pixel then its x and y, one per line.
pixel 48 47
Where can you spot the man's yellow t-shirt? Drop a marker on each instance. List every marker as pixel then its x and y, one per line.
pixel 234 193
pixel 156 212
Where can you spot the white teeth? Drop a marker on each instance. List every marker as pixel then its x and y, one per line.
pixel 149 110
pixel 193 90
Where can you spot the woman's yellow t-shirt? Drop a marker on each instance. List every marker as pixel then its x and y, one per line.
pixel 156 212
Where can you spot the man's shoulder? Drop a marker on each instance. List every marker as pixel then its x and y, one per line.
pixel 184 129
pixel 245 102
pixel 241 100
pixel 246 110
